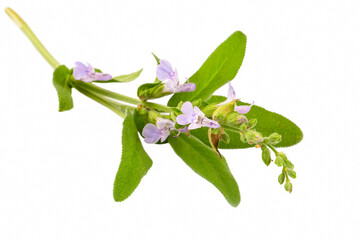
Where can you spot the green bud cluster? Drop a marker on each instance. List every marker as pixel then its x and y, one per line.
pixel 287 171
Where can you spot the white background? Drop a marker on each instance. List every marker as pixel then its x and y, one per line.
pixel 57 169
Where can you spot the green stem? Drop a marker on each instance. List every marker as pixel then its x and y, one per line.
pixel 232 129
pixel 272 148
pixel 31 36
pixel 156 106
pixel 107 93
pixel 116 107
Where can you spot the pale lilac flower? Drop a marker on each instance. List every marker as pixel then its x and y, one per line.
pixel 195 117
pixel 165 71
pixel 232 96
pixel 153 133
pixel 243 109
pixel 88 74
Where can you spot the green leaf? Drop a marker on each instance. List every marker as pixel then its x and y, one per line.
pixel 205 162
pixel 61 78
pixel 135 162
pixel 122 78
pixel 220 67
pixel 156 58
pixel 267 123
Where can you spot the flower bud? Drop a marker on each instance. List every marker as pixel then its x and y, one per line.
pixel 242 138
pixel 235 119
pixel 291 173
pixel 275 138
pixel 252 123
pixel 288 164
pixel 253 137
pixel 197 102
pixel 153 115
pixel 288 186
pixel 281 178
pixel 208 110
pixel 243 128
pixel 266 157
pixel 141 109
pixel 151 91
pixel 224 110
pixel 279 161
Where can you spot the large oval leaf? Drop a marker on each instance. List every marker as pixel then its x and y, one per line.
pixel 205 162
pixel 135 162
pixel 267 123
pixel 220 67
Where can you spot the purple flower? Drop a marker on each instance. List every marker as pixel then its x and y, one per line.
pixel 165 71
pixel 88 74
pixel 243 109
pixel 195 117
pixel 153 133
pixel 232 96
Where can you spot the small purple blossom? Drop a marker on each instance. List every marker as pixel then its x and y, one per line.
pixel 195 117
pixel 232 96
pixel 88 73
pixel 153 133
pixel 165 71
pixel 243 109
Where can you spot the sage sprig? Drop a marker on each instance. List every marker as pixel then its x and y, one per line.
pixel 196 123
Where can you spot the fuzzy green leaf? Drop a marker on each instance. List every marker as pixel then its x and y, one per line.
pixel 205 162
pixel 135 162
pixel 267 123
pixel 220 67
pixel 61 77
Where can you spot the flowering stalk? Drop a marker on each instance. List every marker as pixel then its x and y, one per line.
pixel 182 122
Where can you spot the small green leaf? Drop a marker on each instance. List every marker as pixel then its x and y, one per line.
pixel 205 162
pixel 61 78
pixel 122 78
pixel 266 155
pixel 135 162
pixel 220 67
pixel 156 58
pixel 267 123
pixel 279 161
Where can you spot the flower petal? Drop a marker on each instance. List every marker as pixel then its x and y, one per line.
pixel 164 70
pixel 188 87
pixel 101 76
pixel 163 123
pixel 209 123
pixel 231 93
pixel 80 70
pixel 198 112
pixel 187 108
pixel 170 86
pixel 151 133
pixel 243 109
pixel 194 126
pixel 183 119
